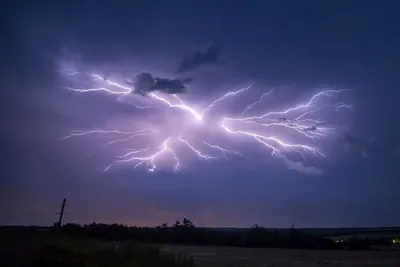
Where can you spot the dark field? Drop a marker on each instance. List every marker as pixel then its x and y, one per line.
pixel 104 246
pixel 78 252
pixel 327 232
pixel 264 257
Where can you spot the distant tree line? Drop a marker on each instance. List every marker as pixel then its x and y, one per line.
pixel 186 233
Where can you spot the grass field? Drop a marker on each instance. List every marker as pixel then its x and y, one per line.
pixel 248 257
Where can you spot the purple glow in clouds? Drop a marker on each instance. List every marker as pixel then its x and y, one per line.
pixel 296 129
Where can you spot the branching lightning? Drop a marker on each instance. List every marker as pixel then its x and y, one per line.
pixel 223 150
pixel 255 103
pixel 198 116
pixel 222 98
pixel 149 160
pixel 295 129
pixel 197 152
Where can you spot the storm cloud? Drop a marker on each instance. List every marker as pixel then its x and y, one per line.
pixel 316 47
pixel 208 57
pixel 145 83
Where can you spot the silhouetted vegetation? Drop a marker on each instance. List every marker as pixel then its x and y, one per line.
pixel 186 233
pixel 50 250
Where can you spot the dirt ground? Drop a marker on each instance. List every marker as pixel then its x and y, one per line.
pixel 235 257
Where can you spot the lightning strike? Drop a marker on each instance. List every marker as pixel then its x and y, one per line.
pixel 224 97
pixel 149 160
pixel 327 93
pixel 256 103
pixel 99 131
pixel 223 150
pixel 142 107
pixel 128 89
pixel 100 89
pixel 133 151
pixel 294 129
pixel 203 156
pixel 182 106
pixel 139 133
pixel 266 141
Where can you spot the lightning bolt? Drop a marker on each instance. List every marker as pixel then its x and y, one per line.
pixel 257 102
pixel 139 133
pixel 79 90
pixel 128 89
pixel 142 107
pixel 295 129
pixel 203 156
pixel 99 131
pixel 182 106
pixel 264 139
pixel 149 160
pixel 328 93
pixel 223 150
pixel 224 97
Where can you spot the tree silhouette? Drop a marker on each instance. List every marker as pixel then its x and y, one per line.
pixel 187 223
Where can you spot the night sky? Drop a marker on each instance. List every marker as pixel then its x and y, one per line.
pixel 296 48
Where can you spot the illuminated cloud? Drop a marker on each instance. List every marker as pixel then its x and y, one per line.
pixel 195 131
pixel 145 83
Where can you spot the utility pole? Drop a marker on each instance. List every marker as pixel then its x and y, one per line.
pixel 61 213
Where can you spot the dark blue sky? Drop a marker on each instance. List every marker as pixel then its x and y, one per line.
pixel 294 45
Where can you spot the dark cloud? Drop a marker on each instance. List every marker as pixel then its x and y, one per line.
pixel 145 83
pixel 207 57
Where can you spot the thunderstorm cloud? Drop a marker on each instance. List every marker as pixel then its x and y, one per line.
pixel 316 48
pixel 145 83
pixel 208 57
